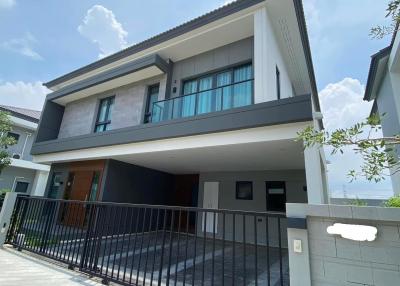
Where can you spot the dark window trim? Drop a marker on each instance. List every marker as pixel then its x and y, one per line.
pixel 267 195
pixel 106 122
pixel 278 83
pixel 238 183
pixel 148 108
pixel 214 73
pixel 14 135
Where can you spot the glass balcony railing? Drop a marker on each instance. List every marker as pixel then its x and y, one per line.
pixel 221 98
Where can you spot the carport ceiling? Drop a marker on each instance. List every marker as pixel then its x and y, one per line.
pixel 272 155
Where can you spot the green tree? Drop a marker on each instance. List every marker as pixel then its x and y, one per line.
pixel 5 140
pixel 392 12
pixel 379 156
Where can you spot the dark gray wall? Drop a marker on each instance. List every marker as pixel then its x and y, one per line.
pixel 50 121
pixel 228 55
pixel 127 183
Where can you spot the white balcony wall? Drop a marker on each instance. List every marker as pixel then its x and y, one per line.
pixel 267 57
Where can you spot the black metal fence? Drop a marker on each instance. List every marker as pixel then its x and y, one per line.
pixel 155 245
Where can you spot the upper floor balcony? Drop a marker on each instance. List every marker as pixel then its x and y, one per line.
pixel 224 90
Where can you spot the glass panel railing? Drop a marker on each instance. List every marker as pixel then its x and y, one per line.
pixel 217 99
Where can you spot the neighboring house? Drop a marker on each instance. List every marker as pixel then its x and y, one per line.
pixel 205 114
pixel 23 176
pixel 383 88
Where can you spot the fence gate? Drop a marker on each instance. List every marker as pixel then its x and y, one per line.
pixel 155 245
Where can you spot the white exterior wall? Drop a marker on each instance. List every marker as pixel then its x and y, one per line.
pixel 267 57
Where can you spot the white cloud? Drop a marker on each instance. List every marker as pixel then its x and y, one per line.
pixel 102 28
pixel 29 95
pixel 7 3
pixel 23 46
pixel 342 105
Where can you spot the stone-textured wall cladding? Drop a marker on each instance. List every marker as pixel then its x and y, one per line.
pixel 338 261
pixel 79 116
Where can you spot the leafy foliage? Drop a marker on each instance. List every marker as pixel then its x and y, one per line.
pixel 5 141
pixel 393 11
pixel 393 202
pixel 378 154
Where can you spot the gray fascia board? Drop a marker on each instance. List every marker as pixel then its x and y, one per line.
pixel 289 110
pixel 373 68
pixel 165 36
pixel 128 68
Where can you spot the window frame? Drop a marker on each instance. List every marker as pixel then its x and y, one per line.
pixel 148 110
pixel 111 101
pixel 267 187
pixel 14 135
pixel 278 83
pixel 22 182
pixel 238 183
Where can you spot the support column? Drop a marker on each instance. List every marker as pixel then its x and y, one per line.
pixel 315 173
pixel 5 215
pixel 39 183
pixel 261 61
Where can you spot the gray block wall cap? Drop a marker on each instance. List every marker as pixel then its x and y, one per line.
pixel 128 68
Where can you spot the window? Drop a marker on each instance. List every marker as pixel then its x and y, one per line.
pixel 21 187
pixel 103 122
pixel 152 96
pixel 276 196
pixel 278 84
pixel 218 91
pixel 13 135
pixel 244 190
pixel 55 186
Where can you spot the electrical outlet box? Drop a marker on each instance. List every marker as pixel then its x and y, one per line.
pixel 297 247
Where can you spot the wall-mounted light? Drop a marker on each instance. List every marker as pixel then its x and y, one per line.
pixel 353 231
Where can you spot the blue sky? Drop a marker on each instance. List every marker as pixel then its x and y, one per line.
pixel 43 39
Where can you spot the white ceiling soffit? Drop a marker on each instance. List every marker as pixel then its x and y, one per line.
pixel 284 22
pixel 111 84
pixel 275 155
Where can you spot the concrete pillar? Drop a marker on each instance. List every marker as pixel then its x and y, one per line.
pixel 261 56
pixel 315 174
pixel 299 263
pixel 5 215
pixel 39 183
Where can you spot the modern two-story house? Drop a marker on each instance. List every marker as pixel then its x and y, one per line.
pixel 205 114
pixel 23 176
pixel 383 90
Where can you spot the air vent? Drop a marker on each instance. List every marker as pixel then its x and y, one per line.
pixel 16 156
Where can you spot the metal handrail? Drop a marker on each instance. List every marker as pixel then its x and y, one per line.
pixel 157 103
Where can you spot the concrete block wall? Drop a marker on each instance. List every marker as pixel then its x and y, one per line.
pixel 337 261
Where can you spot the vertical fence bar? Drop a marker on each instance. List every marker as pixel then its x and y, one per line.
pixel 267 238
pixel 155 247
pixel 255 252
pixel 87 237
pixel 14 219
pixel 148 245
pixel 186 246
pixel 134 244
pixel 162 248
pixel 280 251
pixel 141 246
pixel 195 244
pixel 244 250
pixel 178 247
pixel 170 245
pixel 123 239
pixel 223 248
pixel 204 247
pixel 213 250
pixel 118 218
pixel 233 248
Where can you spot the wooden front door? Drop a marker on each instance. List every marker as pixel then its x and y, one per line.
pixel 80 190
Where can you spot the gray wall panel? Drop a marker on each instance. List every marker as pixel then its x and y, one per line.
pixel 234 53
